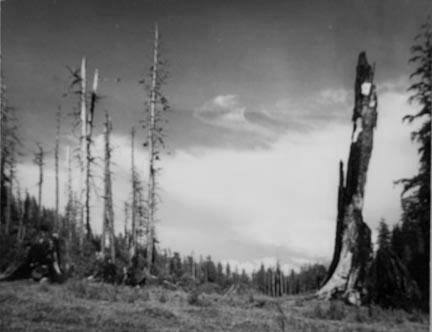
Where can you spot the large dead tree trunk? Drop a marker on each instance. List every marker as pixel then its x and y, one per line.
pixel 346 277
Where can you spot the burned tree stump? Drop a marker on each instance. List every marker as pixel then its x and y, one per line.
pixel 352 252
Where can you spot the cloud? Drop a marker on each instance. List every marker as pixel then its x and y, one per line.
pixel 252 205
pixel 228 112
pixel 333 96
pixel 223 110
pixel 313 113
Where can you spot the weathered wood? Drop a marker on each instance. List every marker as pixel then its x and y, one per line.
pixel 56 161
pixel 69 223
pixel 83 155
pixel 39 161
pixel 352 253
pixel 108 213
pixel 134 196
pixel 151 198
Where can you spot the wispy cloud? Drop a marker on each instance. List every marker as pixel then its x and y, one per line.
pixel 333 96
pixel 228 112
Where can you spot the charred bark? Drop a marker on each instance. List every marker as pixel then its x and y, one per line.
pixel 352 253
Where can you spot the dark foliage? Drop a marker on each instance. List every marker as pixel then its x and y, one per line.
pixel 411 239
pixel 389 283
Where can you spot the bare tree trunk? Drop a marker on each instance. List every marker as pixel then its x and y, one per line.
pixel 108 217
pixel 68 224
pixel 90 117
pixel 39 161
pixel 353 237
pixel 70 199
pixel 151 182
pixel 56 157
pixel 126 222
pixel 134 195
pixel 83 155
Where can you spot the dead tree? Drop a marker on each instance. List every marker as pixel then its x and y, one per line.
pixel 56 159
pixel 69 223
pixel 155 140
pixel 86 117
pixel 134 183
pixel 352 253
pixel 151 142
pixel 39 162
pixel 126 222
pixel 108 212
pixel 83 154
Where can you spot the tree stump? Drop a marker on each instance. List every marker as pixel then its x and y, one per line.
pixel 352 253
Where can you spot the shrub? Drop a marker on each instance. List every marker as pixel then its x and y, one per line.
pixel 193 298
pixel 163 298
pixel 336 311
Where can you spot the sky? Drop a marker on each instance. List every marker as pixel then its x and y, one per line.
pixel 261 96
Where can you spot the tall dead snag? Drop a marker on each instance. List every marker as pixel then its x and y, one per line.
pixel 346 277
pixel 126 222
pixel 56 159
pixel 39 162
pixel 134 180
pixel 83 154
pixel 86 117
pixel 108 212
pixel 155 140
pixel 89 161
pixel 69 222
pixel 151 181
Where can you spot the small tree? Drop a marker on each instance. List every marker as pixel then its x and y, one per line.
pixel 384 237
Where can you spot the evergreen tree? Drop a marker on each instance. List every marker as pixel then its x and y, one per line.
pixel 416 190
pixel 383 235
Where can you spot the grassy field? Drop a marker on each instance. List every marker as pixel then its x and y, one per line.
pixel 86 306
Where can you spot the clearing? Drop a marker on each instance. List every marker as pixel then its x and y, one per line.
pixel 81 305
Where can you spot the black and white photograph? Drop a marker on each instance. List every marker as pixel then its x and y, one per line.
pixel 215 165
